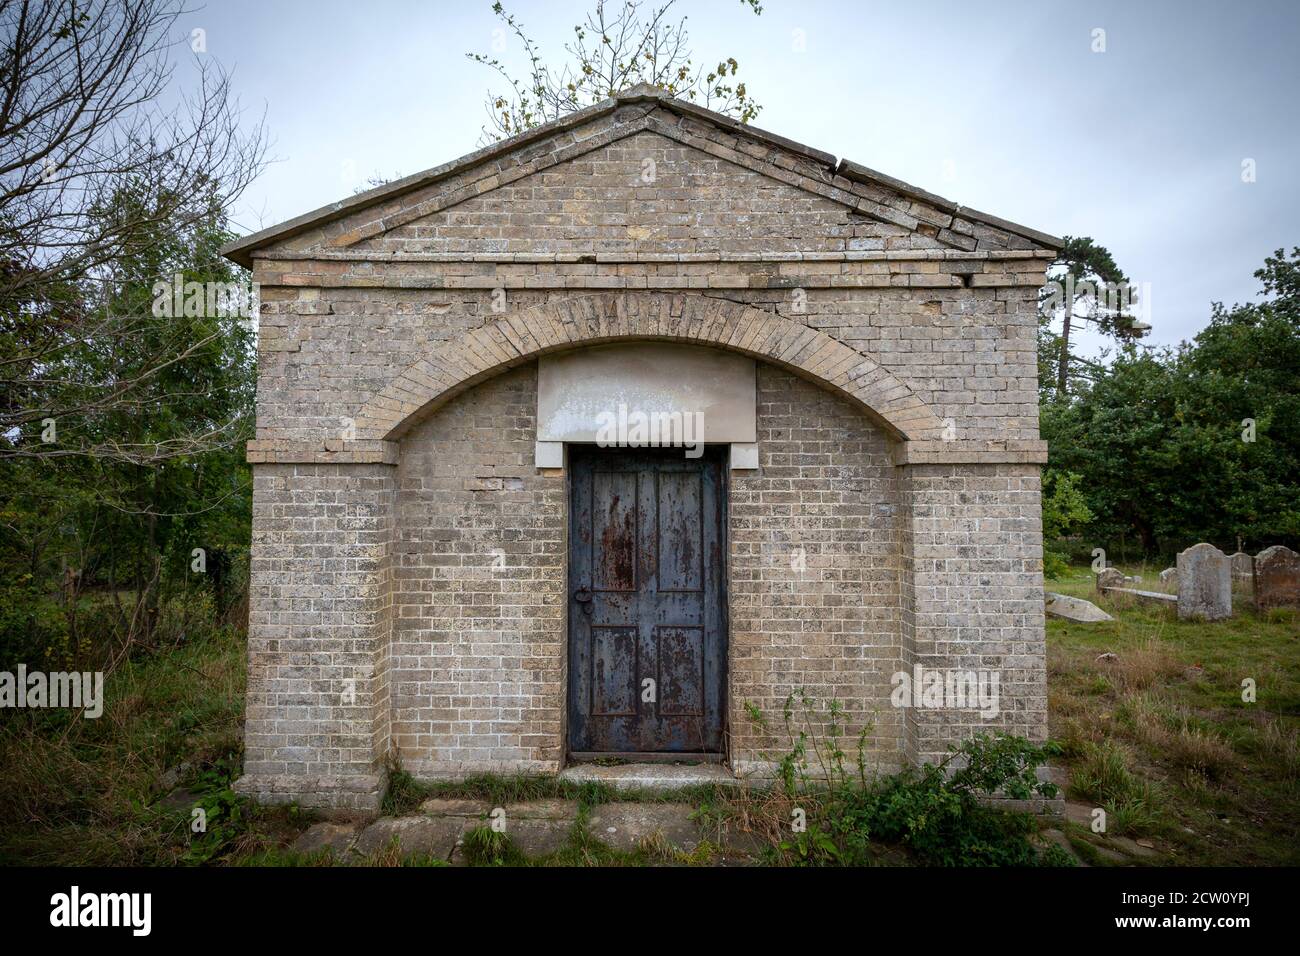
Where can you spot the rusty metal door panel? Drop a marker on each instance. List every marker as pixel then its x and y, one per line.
pixel 647 617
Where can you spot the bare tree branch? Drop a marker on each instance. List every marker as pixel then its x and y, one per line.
pixel 613 49
pixel 83 127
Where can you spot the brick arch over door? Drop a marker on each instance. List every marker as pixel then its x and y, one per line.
pixel 576 321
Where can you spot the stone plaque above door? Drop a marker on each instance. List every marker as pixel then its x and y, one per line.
pixel 575 389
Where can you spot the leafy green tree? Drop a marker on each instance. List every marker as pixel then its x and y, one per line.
pixel 121 424
pixel 1237 418
pixel 1085 285
pixel 1196 443
pixel 125 525
pixel 1065 511
pixel 1112 436
pixel 196 409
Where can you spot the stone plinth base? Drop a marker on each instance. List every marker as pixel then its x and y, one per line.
pixel 361 793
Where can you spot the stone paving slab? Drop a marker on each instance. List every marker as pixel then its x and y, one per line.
pixel 623 826
pixel 551 809
pixel 536 827
pixel 536 837
pixel 335 837
pixel 455 807
pixel 539 828
pixel 533 838
pixel 423 835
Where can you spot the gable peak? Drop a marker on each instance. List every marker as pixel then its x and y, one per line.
pixel 643 91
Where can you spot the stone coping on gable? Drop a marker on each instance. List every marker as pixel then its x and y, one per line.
pixel 867 190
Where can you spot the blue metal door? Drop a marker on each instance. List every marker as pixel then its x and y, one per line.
pixel 647 623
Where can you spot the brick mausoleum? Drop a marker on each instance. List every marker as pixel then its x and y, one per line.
pixel 452 571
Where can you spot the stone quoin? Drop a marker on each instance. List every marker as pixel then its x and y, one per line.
pixel 439 584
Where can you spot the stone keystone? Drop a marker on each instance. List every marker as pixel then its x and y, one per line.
pixel 1204 583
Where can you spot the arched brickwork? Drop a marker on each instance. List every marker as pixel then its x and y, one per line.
pixel 573 322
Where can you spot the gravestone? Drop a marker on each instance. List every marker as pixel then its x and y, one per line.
pixel 1073 609
pixel 1243 570
pixel 1169 578
pixel 1204 583
pixel 1110 578
pixel 1277 578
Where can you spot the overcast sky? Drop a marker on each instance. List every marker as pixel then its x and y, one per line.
pixel 1003 106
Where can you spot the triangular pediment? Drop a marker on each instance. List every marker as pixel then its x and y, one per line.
pixel 645 192
pixel 642 174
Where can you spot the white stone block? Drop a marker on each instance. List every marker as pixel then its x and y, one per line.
pixel 744 456
pixel 548 454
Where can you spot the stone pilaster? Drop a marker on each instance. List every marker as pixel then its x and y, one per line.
pixel 317 722
pixel 973 597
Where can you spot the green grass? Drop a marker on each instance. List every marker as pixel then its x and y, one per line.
pixel 1162 739
pixel 85 792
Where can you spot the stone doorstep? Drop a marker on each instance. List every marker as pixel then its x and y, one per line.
pixel 651 776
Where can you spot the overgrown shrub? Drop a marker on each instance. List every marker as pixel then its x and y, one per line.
pixel 944 819
pixel 940 812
